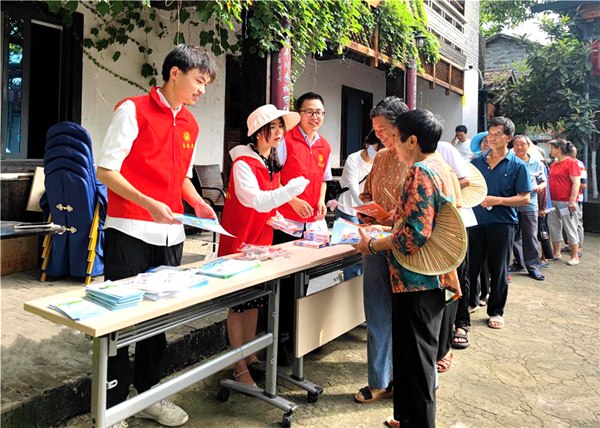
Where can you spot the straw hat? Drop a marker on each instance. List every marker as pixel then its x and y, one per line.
pixel 443 251
pixel 268 113
pixel 476 191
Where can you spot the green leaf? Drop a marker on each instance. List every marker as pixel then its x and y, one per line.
pixel 147 70
pixel 183 15
pixel 71 5
pixel 179 38
pixel 116 56
pixel 103 7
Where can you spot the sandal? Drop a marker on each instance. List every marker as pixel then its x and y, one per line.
pixel 237 376
pixel 254 361
pixel 464 343
pixel 444 364
pixel 496 322
pixel 365 395
pixel 391 422
pixel 483 301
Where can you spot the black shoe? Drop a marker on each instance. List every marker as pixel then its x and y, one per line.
pixel 514 268
pixel 284 354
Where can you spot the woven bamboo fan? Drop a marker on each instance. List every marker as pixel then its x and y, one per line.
pixel 443 251
pixel 476 191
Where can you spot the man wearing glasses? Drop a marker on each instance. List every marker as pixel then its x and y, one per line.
pixel 303 152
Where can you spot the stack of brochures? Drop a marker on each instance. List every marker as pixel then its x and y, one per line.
pixel 114 295
pixel 225 267
pixel 166 281
pixel 78 308
pixel 284 225
pixel 314 239
pixel 346 232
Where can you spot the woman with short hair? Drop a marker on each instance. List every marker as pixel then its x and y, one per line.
pixel 564 179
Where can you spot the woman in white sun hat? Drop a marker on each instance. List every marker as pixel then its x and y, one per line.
pixel 253 194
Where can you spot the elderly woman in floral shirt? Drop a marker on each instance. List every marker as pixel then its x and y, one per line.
pixel 418 300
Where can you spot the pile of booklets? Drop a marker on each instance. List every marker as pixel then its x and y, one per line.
pixel 78 308
pixel 166 281
pixel 314 239
pixel 225 267
pixel 114 295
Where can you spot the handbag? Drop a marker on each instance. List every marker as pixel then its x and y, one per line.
pixel 337 188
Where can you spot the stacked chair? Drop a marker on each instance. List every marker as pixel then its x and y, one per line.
pixel 75 199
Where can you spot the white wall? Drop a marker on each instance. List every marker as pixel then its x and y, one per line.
pixel 101 91
pixel 454 109
pixel 447 108
pixel 326 78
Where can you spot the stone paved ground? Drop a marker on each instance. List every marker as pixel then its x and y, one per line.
pixel 542 370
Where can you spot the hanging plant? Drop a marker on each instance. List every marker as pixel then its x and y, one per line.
pixel 309 27
pixel 399 22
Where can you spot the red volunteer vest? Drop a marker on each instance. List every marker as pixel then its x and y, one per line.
pixel 159 158
pixel 248 225
pixel 309 162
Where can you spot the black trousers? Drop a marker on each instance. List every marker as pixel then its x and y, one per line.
pixel 492 243
pixel 461 319
pixel 416 321
pixel 447 329
pixel 126 256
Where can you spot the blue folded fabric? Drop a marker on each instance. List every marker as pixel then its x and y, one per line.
pixel 72 194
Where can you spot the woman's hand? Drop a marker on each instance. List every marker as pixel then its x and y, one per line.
pixel 321 211
pixel 363 245
pixel 374 228
pixel 302 208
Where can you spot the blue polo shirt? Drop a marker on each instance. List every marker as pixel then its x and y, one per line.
pixel 508 178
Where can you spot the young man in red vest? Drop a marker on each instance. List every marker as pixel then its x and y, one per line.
pixel 146 163
pixel 303 153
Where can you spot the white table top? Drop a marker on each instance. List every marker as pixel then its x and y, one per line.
pixel 301 258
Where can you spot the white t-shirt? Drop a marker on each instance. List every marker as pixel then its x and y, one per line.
pixel 464 148
pixel 355 169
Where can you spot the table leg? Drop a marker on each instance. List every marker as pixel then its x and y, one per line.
pixel 99 374
pixel 273 327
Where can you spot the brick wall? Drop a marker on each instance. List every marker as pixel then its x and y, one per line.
pixel 504 54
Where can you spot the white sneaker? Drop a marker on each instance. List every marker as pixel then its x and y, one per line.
pixel 122 424
pixel 165 413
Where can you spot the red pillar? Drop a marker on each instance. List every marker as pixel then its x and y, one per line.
pixel 411 85
pixel 281 72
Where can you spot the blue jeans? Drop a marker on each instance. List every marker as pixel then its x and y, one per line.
pixel 354 270
pixel 377 292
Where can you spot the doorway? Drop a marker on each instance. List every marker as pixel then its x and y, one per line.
pixel 356 123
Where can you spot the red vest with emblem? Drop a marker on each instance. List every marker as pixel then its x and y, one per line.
pixel 309 162
pixel 248 225
pixel 159 158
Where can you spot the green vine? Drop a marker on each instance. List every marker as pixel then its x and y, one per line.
pixel 399 22
pixel 308 27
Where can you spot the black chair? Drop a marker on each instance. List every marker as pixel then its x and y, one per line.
pixel 211 187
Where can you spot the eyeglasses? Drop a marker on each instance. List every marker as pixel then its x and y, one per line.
pixel 313 113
